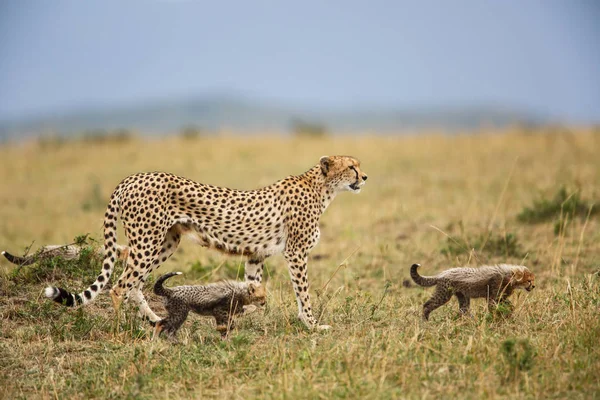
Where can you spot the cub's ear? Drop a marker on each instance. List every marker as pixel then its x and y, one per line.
pixel 251 288
pixel 518 274
pixel 325 162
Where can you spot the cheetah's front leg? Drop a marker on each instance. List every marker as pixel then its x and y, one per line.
pixel 298 273
pixel 253 271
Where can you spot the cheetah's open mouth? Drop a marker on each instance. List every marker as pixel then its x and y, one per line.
pixel 356 186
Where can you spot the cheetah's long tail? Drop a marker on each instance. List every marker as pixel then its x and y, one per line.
pixel 67 298
pixel 159 289
pixel 421 280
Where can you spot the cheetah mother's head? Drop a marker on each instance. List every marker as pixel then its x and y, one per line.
pixel 342 173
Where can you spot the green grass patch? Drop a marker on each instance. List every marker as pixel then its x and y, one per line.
pixel 518 356
pixel 215 270
pixel 378 348
pixel 492 244
pixel 564 203
pixel 84 268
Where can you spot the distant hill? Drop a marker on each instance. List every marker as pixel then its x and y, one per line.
pixel 239 114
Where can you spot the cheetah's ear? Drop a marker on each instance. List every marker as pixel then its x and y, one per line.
pixel 251 288
pixel 325 162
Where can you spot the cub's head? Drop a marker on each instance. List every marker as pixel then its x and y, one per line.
pixel 257 294
pixel 342 173
pixel 523 278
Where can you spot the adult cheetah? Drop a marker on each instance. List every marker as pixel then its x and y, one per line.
pixel 158 208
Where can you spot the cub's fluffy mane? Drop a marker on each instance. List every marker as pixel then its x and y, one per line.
pixel 477 274
pixel 209 291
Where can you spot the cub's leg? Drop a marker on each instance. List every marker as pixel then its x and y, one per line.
pixel 464 303
pixel 504 300
pixel 494 303
pixel 224 321
pixel 177 314
pixel 440 297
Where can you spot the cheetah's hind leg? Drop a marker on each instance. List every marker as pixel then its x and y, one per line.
pixel 158 328
pixel 117 300
pixel 115 294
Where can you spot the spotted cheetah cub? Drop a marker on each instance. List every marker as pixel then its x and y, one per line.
pixel 222 300
pixel 495 283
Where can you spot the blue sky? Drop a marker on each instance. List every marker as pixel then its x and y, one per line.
pixel 543 56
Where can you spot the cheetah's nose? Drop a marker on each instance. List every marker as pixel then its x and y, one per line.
pixel 364 177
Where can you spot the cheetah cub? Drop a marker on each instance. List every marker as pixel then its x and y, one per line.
pixel 495 283
pixel 222 300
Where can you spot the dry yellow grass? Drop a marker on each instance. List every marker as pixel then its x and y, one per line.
pixel 421 190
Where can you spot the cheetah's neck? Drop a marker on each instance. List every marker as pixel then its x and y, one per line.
pixel 314 177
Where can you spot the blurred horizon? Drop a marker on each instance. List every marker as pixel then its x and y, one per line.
pixel 68 64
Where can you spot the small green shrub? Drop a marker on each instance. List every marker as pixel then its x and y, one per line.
pixel 301 128
pixel 52 142
pixel 222 270
pixel 518 355
pixel 95 200
pixel 102 136
pixel 84 268
pixel 191 132
pixel 494 245
pixel 562 204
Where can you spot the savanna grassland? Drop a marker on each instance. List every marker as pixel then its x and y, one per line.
pixel 441 201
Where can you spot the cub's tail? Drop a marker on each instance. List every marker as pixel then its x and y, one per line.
pixel 421 280
pixel 21 261
pixel 159 289
pixel 67 252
